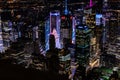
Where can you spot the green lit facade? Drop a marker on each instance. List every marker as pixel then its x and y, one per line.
pixel 83 44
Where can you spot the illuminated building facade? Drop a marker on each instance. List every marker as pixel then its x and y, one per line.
pixel 90 20
pixel 113 25
pixel 78 19
pixel 1 38
pixel 66 28
pixel 47 33
pixel 83 44
pixel 110 32
pixel 53 27
pixel 111 17
pixel 73 30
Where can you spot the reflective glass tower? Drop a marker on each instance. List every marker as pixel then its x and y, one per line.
pixel 53 27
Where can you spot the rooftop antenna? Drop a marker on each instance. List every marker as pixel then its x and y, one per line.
pixel 66 7
pixel 91 3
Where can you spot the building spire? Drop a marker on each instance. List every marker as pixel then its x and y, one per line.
pixel 91 3
pixel 66 7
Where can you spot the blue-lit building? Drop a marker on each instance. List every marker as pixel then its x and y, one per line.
pixel 52 26
pixel 47 33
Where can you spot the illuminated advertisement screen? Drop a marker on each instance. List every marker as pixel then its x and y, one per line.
pixel 98 19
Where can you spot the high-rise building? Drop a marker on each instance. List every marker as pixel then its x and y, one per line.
pixel 66 28
pixel 83 44
pixel 111 29
pixel 1 38
pixel 53 27
pixel 47 33
pixel 111 17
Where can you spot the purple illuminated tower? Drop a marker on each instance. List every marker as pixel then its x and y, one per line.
pixel 52 26
pixel 55 27
pixel 91 3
